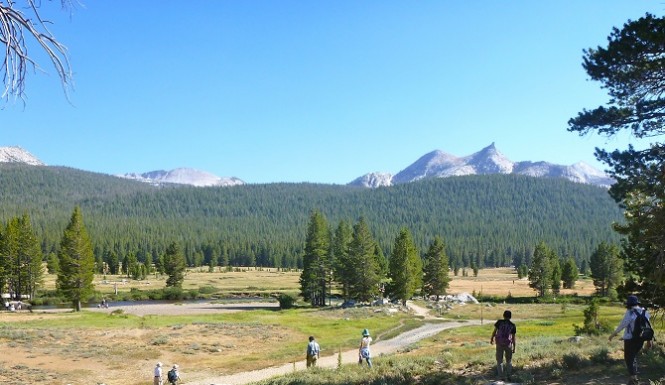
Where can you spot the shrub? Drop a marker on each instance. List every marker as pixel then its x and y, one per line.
pixel 592 326
pixel 173 293
pixel 572 361
pixel 286 301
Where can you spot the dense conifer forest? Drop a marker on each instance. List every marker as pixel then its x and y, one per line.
pixel 490 220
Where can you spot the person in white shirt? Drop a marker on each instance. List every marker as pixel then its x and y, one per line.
pixel 363 351
pixel 631 346
pixel 158 374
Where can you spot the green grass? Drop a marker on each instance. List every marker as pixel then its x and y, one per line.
pixel 546 353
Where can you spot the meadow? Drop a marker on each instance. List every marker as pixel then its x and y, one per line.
pixel 111 347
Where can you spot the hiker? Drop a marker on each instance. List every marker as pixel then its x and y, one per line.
pixel 313 350
pixel 504 336
pixel 173 376
pixel 158 374
pixel 631 346
pixel 363 351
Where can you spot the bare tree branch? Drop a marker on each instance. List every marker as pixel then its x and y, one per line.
pixel 18 27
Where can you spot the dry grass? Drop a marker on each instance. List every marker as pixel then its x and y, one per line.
pixel 504 282
pixel 41 348
pixel 245 280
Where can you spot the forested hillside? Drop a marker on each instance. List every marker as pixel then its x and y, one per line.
pixel 493 219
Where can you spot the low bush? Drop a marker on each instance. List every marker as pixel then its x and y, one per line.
pixel 286 301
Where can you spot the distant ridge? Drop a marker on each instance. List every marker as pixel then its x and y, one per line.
pixel 489 160
pixel 16 154
pixel 187 176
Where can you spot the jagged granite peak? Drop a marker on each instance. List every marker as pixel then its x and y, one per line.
pixel 433 164
pixel 187 176
pixel 373 180
pixel 16 154
pixel 489 160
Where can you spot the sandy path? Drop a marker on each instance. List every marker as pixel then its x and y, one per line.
pixel 348 357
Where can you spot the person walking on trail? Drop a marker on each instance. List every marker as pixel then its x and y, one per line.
pixel 173 375
pixel 313 350
pixel 363 351
pixel 504 336
pixel 158 374
pixel 631 344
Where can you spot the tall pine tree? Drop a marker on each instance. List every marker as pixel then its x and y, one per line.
pixel 365 268
pixel 342 264
pixel 436 279
pixel 76 262
pixel 404 268
pixel 174 266
pixel 606 269
pixel 540 273
pixel 317 269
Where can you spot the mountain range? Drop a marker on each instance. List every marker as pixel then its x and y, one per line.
pixel 489 160
pixel 436 164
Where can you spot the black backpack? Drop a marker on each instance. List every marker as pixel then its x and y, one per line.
pixel 172 376
pixel 642 329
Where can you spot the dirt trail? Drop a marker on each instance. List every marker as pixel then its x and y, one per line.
pixel 348 357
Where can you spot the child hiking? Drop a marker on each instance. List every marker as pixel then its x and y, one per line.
pixel 504 336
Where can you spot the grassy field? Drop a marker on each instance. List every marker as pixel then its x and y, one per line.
pixel 89 347
pixel 499 282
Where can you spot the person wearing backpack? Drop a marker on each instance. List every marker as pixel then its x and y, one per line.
pixel 313 351
pixel 173 376
pixel 504 336
pixel 632 341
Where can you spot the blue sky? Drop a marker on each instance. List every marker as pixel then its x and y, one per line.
pixel 315 91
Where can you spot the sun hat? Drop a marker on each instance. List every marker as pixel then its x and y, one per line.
pixel 632 300
pixel 365 333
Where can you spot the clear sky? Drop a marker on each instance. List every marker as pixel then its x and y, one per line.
pixel 315 91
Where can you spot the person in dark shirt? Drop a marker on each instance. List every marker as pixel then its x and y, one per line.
pixel 504 337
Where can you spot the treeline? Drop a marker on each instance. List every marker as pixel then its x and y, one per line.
pixel 490 220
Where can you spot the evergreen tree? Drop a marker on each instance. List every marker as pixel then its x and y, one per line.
pixel 52 265
pixel 436 279
pixel 606 269
pixel 21 258
pixel 111 259
pixel 540 273
pixel 31 256
pixel 404 268
pixel 522 271
pixel 365 271
pixel 585 267
pixel 632 70
pixel 10 254
pixel 556 273
pixel 317 268
pixel 174 266
pixel 76 262
pixel 342 263
pixel 569 273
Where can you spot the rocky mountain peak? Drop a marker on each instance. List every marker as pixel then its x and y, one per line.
pixel 489 160
pixel 16 154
